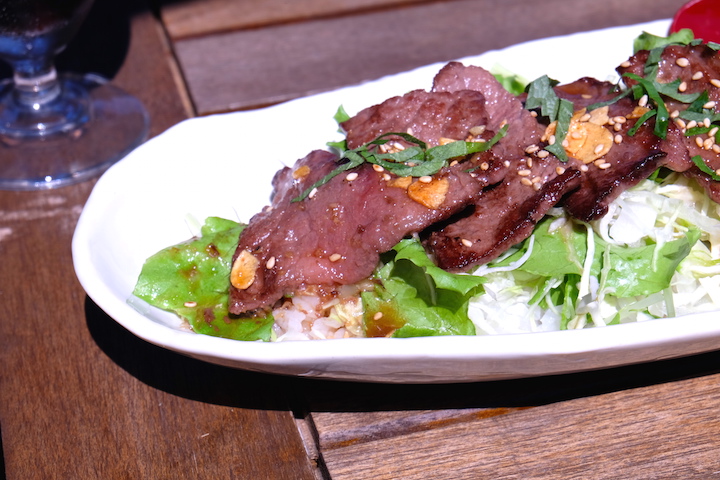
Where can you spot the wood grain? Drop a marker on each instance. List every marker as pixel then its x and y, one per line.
pixel 193 19
pixel 250 68
pixel 625 434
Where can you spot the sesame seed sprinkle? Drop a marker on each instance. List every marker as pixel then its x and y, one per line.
pixel 313 192
pixel 708 143
pixel 618 139
pixel 377 316
pixel 377 168
pixel 682 62
pixel 466 242
pixel 526 181
pixel 682 87
pixel 697 75
pixel 270 263
pixel 715 82
pixel 709 105
pixel 604 166
pixel 543 153
pixel 190 304
pixel 643 101
pixel 524 173
pixel 351 176
pixel 425 179
pixel 559 170
pixel 699 142
pixel 335 257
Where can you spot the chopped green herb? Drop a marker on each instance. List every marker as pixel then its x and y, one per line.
pixel 541 95
pixel 413 161
pixel 700 163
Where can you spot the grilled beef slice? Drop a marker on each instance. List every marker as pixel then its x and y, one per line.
pixel 695 69
pixel 335 237
pixel 630 160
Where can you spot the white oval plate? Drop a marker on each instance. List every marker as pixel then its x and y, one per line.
pixel 222 165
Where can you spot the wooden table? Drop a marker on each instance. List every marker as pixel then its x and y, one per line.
pixel 81 398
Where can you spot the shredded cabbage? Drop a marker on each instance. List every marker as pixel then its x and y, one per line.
pixel 667 230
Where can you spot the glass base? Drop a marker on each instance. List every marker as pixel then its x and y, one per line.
pixel 106 124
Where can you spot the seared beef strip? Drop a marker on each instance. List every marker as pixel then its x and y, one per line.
pixel 335 237
pixel 503 216
pixel 630 160
pixel 697 69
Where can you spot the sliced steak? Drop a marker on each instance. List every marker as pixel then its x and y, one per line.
pixel 629 160
pixel 335 237
pixel 697 69
pixel 503 216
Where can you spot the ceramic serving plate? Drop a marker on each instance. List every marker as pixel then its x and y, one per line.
pixel 222 166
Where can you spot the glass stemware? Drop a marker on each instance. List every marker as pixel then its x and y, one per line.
pixel 57 130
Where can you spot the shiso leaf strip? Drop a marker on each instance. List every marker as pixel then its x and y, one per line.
pixel 540 94
pixel 414 161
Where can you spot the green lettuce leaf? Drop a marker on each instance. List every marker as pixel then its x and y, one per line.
pixel 415 298
pixel 191 279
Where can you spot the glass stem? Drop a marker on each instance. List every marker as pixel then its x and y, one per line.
pixel 36 83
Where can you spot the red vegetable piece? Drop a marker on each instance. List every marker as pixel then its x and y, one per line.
pixel 702 17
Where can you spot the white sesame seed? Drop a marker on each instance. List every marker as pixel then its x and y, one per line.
pixel 576 135
pixel 706 123
pixel 682 62
pixel 708 143
pixel 335 257
pixel 709 105
pixel 691 124
pixel 190 304
pixel 543 153
pixel 537 180
pixel 506 163
pixel 484 166
pixel 584 168
pixel 715 82
pixel 682 87
pixel 617 127
pixel 643 100
pixel 620 119
pixel 681 123
pixel 699 142
pixel 466 242
pixel 717 172
pixel 713 131
pixel 351 176
pixel 377 316
pixel 270 263
pixel 675 114
pixel 313 192
pixel 599 148
pixel 559 170
pixel 585 117
pixel 524 173
pixel 716 148
pixel 386 177
pixel 532 149
pixel 526 181
pixel 529 162
pixel 697 75
pixel 625 64
pixel 551 140
pixel 618 139
pixel 604 166
pixel 378 168
pixel 537 186
pixel 425 179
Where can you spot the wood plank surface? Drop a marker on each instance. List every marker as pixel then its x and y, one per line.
pixel 194 19
pixel 652 420
pixel 255 67
pixel 641 438
pixel 82 398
